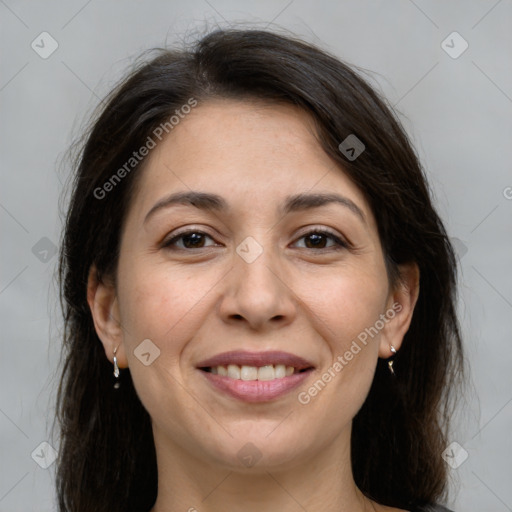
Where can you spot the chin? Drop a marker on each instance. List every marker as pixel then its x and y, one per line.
pixel 257 452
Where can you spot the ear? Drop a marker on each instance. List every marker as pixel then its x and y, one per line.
pixel 102 300
pixel 400 309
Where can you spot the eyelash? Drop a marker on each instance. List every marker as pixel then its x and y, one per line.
pixel 341 244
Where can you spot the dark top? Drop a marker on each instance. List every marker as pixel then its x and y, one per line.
pixel 431 508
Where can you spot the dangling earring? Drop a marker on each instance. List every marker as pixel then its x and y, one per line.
pixel 391 360
pixel 116 370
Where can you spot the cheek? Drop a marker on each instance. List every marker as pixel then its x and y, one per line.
pixel 166 308
pixel 169 308
pixel 346 303
pixel 160 305
pixel 346 307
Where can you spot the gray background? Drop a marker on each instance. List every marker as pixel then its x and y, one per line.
pixel 456 110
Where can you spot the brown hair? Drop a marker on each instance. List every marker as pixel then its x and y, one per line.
pixel 107 457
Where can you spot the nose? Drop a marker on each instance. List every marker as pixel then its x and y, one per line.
pixel 258 294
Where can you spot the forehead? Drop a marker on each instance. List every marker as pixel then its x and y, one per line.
pixel 246 151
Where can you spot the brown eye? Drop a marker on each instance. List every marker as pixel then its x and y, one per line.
pixel 322 240
pixel 315 241
pixel 189 240
pixel 193 240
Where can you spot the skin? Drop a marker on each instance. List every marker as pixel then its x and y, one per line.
pixel 193 303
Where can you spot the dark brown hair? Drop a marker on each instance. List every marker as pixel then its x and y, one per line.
pixel 107 456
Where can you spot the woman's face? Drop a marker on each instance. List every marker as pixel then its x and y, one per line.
pixel 249 270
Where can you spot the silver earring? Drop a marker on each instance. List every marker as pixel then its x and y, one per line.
pixel 116 370
pixel 391 361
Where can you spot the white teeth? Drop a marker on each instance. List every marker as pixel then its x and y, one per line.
pixel 244 372
pixel 281 371
pixel 233 371
pixel 266 372
pixel 249 373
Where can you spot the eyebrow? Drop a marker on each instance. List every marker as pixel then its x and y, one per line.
pixel 213 202
pixel 301 202
pixel 201 200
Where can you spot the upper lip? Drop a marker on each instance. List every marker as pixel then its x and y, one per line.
pixel 245 358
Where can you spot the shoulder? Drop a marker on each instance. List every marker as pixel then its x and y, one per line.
pixel 430 508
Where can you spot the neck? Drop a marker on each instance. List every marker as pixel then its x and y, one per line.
pixel 321 482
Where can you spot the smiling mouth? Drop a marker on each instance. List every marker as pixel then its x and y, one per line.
pixel 251 373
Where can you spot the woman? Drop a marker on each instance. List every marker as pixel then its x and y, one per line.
pixel 251 249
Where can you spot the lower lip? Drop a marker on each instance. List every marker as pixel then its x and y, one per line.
pixel 256 390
